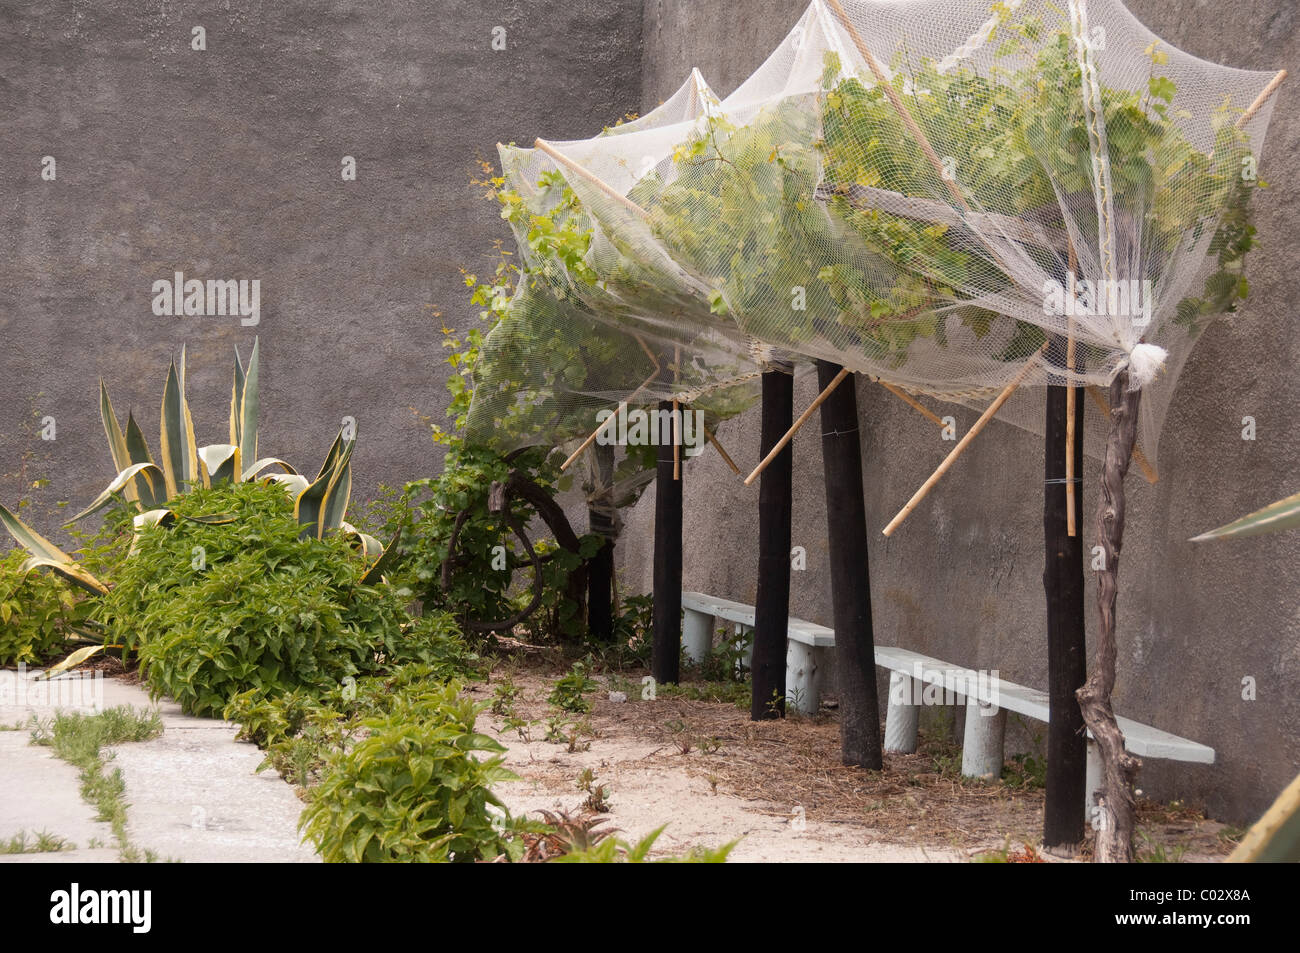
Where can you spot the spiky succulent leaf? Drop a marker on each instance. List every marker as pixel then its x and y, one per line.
pixel 1284 514
pixel 119 482
pixel 179 453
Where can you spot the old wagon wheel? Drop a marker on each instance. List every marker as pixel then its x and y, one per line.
pixel 499 496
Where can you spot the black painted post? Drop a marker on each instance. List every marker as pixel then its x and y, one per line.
pixel 1063 820
pixel 665 653
pixel 775 502
pixel 846 527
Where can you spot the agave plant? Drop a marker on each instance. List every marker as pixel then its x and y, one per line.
pixel 1284 514
pixel 320 505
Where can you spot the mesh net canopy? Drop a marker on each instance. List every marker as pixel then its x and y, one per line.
pixel 949 197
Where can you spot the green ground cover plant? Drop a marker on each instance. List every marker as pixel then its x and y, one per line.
pixel 79 739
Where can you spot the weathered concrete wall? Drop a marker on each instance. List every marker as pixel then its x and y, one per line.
pixel 961 579
pixel 226 163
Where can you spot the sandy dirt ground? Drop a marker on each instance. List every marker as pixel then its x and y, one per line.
pixel 712 776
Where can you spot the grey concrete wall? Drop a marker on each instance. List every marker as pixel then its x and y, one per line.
pixel 227 164
pixel 961 579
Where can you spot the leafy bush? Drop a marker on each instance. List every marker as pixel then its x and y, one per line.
pixel 300 730
pixel 219 608
pixel 36 612
pixel 412 790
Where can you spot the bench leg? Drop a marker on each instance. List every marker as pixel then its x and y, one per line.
pixel 746 661
pixel 902 716
pixel 1092 783
pixel 801 681
pixel 981 751
pixel 697 635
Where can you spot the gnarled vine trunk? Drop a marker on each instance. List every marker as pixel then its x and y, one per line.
pixel 1114 820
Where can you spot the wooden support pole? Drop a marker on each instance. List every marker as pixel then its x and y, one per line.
pixel 610 423
pixel 911 401
pixel 957 451
pixel 667 628
pixel 775 504
pixel 1117 819
pixel 1263 97
pixel 726 457
pixel 1063 582
pixel 574 167
pixel 896 101
pixel 803 419
pixel 846 529
pixel 621 409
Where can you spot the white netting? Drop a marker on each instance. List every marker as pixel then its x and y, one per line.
pixel 948 196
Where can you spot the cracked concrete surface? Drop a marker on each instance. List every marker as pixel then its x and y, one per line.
pixel 193 792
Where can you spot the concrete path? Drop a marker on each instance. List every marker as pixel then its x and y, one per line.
pixel 193 792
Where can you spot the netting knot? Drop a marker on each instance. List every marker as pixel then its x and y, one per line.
pixel 1145 361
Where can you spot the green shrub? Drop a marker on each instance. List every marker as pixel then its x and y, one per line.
pixel 300 730
pixel 36 613
pixel 412 790
pixel 219 608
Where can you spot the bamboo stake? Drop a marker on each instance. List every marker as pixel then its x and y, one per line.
pixel 677 440
pixel 677 417
pixel 590 177
pixel 1148 471
pixel 803 419
pixel 612 421
pixel 896 101
pixel 1262 98
pixel 911 401
pixel 962 444
pixel 721 452
pixel 1071 528
pixel 606 424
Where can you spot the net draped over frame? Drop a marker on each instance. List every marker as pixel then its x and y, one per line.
pixel 950 197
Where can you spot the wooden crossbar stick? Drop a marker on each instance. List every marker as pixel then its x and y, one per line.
pixel 803 419
pixel 962 444
pixel 1139 457
pixel 897 102
pixel 622 409
pixel 572 166
pixel 1262 98
pixel 911 401
pixel 721 452
pixel 606 424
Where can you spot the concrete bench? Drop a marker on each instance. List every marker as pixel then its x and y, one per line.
pixel 808 648
pixel 918 680
pixel 914 680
